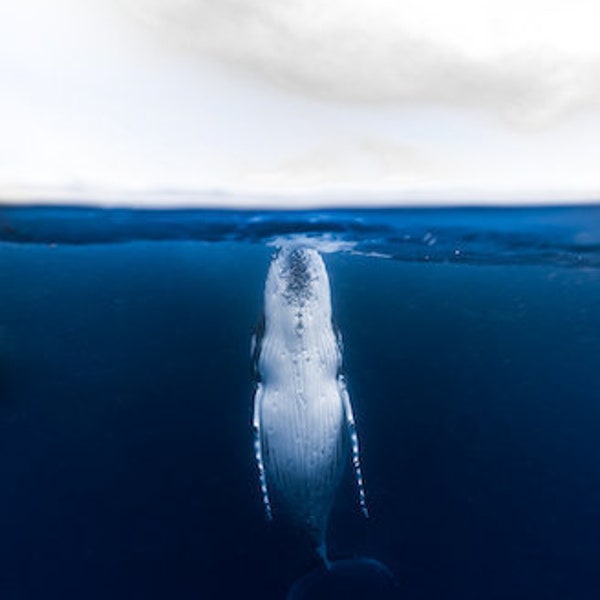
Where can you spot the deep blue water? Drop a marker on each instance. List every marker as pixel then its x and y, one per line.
pixel 472 352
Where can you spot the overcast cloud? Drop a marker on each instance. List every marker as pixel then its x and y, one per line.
pixel 299 101
pixel 529 62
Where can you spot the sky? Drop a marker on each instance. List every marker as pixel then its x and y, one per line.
pixel 299 102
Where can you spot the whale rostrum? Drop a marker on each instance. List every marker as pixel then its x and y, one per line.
pixel 302 418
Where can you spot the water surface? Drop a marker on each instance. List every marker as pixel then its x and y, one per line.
pixel 472 352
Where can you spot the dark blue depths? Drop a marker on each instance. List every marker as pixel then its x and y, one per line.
pixel 126 462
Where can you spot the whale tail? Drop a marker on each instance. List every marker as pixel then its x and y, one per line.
pixel 321 553
pixel 348 579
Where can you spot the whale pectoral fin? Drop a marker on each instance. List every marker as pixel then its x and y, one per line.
pixel 362 497
pixel 258 453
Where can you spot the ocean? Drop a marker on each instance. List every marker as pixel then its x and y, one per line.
pixel 472 356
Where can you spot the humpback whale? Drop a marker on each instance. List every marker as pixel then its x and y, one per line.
pixel 303 422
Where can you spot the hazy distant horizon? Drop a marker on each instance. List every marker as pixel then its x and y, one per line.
pixel 287 199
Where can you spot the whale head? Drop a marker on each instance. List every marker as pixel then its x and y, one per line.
pixel 297 296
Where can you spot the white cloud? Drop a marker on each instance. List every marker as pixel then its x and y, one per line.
pixel 526 60
pixel 298 100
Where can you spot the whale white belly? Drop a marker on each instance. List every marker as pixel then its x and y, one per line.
pixel 304 441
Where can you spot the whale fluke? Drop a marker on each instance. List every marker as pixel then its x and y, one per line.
pixel 352 579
